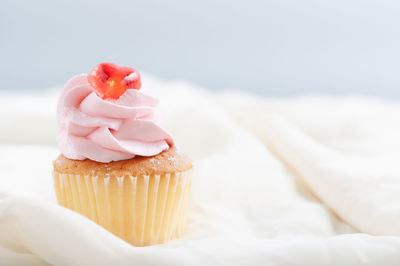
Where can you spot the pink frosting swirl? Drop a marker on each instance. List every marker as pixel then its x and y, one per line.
pixel 108 130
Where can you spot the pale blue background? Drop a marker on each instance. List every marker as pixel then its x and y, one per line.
pixel 285 47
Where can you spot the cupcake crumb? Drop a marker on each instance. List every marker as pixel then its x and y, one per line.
pixel 165 162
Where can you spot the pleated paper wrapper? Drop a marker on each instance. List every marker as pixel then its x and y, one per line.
pixel 143 210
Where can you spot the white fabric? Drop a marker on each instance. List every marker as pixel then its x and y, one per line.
pixel 303 181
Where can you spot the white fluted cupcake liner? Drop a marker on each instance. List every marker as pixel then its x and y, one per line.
pixel 142 210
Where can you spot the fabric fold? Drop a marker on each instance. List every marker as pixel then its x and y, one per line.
pixel 302 181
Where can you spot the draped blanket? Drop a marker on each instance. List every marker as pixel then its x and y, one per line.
pixel 297 181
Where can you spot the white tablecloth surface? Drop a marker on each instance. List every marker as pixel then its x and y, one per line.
pixel 301 181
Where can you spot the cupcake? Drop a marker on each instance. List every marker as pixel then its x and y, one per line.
pixel 118 167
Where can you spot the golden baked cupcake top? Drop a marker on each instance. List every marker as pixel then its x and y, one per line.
pixel 167 161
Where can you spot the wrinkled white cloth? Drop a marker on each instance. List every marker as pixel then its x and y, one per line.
pixel 300 181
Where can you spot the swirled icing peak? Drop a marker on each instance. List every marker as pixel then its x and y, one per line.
pixel 105 126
